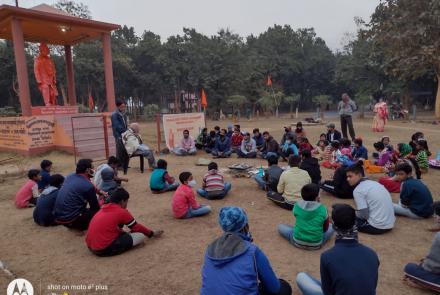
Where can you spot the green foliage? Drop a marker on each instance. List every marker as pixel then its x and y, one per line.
pixel 323 99
pixel 150 111
pixel 237 100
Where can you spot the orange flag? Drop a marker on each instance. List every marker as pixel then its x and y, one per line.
pixel 269 81
pixel 204 102
pixel 91 103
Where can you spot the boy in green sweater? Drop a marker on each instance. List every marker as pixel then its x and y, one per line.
pixel 312 227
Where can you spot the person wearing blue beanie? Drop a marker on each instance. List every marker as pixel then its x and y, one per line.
pixel 234 265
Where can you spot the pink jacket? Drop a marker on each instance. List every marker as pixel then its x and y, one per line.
pixel 25 194
pixel 183 198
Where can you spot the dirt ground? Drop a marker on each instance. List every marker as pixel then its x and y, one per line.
pixel 57 257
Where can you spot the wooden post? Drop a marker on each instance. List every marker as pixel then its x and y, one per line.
pixel 20 64
pixel 71 92
pixel 108 72
pixel 159 139
pixel 107 151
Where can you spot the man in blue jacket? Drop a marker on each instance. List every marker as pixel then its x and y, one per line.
pixel 222 147
pixel 415 197
pixel 77 191
pixel 349 267
pixel 234 265
pixel 119 119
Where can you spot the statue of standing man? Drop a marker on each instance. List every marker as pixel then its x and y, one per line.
pixel 45 74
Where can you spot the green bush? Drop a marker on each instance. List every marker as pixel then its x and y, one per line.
pixel 150 110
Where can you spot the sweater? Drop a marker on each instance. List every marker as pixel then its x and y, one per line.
pixel 236 140
pixel 213 181
pixel 43 212
pixel 44 182
pixel 183 199
pixel 248 146
pixel 416 195
pixel 25 194
pixel 432 261
pixel 259 141
pixel 107 224
pixel 131 141
pixel 310 221
pixel 233 265
pixel 157 180
pixel 73 197
pixel 311 165
pixel 223 145
pixel 272 177
pixel 349 268
pixel 291 183
pixel 360 152
pixel 422 159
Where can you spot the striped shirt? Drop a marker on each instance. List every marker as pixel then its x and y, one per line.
pixel 422 159
pixel 213 181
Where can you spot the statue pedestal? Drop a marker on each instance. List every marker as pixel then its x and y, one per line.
pixel 55 110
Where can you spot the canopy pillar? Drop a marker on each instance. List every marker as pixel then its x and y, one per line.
pixel 71 92
pixel 108 72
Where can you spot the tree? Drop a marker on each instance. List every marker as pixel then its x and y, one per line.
pixel 322 101
pixel 406 33
pixel 291 100
pixel 73 8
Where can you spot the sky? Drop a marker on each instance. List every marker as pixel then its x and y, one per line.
pixel 332 19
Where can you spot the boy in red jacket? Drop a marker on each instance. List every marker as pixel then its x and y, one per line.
pixel 184 202
pixel 236 140
pixel 105 236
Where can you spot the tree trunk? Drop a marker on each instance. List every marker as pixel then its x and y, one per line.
pixel 437 99
pixel 291 110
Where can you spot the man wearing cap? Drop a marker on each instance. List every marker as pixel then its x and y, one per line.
pixel 347 268
pixel 332 133
pixel 234 265
pixel 346 108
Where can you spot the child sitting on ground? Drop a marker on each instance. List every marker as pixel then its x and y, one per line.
pixel 331 154
pixel 108 182
pixel 43 212
pixel 427 273
pixel 422 155
pixel 359 152
pixel 393 183
pixel 299 130
pixel 289 148
pixel 346 147
pixel 214 185
pixel 45 166
pixel 184 204
pixel 312 227
pixel 303 144
pixel 323 136
pixel 319 151
pixel 415 197
pixel 27 195
pixel 160 180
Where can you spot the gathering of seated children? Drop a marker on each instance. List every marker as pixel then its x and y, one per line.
pixel 43 211
pixel 426 274
pixel 108 182
pixel 214 186
pixel 374 206
pixel 332 133
pixel 347 268
pixel 422 155
pixel 234 265
pixel 236 140
pixel 288 148
pixel 331 154
pixel 289 187
pixel 73 197
pixel 311 165
pixel 202 139
pixel 28 194
pixel 112 163
pixel 415 197
pixel 187 145
pixel 45 166
pixel 105 235
pixel 160 180
pixel 222 147
pixel 303 144
pixel 271 176
pixel 299 130
pixel 248 148
pixel 359 152
pixel 312 226
pixel 258 137
pixel 270 146
pixel 338 186
pixel 184 204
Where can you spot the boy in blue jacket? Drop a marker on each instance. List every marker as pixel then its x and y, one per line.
pixel 415 197
pixel 234 265
pixel 359 152
pixel 222 147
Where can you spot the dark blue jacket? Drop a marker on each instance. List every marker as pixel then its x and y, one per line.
pixel 416 195
pixel 73 197
pixel 259 141
pixel 233 265
pixel 360 152
pixel 349 268
pixel 119 123
pixel 223 146
pixel 44 182
pixel 336 136
pixel 43 212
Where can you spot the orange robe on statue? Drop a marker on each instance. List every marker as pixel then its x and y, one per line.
pixel 45 74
